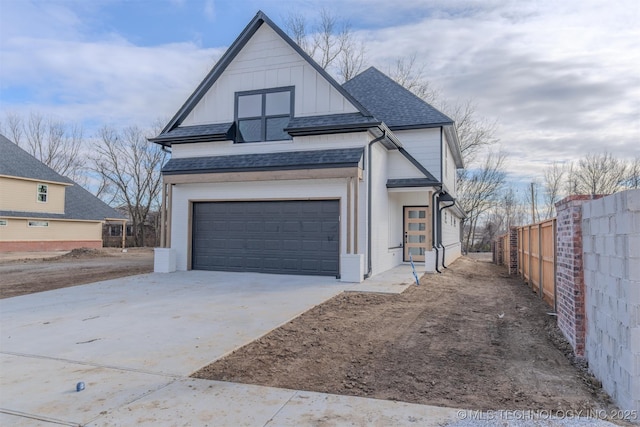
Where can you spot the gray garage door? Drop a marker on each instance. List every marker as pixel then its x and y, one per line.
pixel 284 237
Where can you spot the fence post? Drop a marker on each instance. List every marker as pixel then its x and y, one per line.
pixel 540 261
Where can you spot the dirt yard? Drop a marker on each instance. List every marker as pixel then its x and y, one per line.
pixel 472 338
pixel 78 267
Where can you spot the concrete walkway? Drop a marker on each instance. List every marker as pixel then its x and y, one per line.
pixel 134 341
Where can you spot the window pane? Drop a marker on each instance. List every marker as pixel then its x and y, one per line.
pixel 275 128
pixel 416 251
pixel 417 214
pixel 278 103
pixel 250 130
pixel 417 226
pixel 250 105
pixel 416 239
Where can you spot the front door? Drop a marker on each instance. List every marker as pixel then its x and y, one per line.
pixel 416 229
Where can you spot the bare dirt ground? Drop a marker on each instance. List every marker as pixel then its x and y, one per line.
pixel 78 267
pixel 472 338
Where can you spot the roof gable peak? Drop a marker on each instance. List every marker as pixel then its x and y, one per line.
pixel 230 54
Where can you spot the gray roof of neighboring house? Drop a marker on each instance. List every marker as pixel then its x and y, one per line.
pixel 391 103
pixel 266 161
pixel 79 203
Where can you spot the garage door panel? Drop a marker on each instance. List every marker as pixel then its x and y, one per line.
pixel 294 237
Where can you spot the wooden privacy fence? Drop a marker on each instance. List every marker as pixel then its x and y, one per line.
pixel 536 256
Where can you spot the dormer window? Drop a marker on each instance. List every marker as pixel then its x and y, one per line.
pixel 43 190
pixel 262 115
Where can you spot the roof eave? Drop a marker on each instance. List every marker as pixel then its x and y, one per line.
pixel 323 130
pixel 417 185
pixel 420 126
pixel 454 144
pixel 261 168
pixel 167 141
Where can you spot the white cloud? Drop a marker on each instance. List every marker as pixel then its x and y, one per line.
pixel 561 77
pixel 210 10
pixel 107 81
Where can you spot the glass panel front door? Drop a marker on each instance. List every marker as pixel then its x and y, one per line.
pixel 416 232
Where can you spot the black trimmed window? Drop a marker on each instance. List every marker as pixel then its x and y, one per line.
pixel 262 115
pixel 43 190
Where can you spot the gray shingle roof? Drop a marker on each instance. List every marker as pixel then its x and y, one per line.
pixel 391 103
pixel 411 182
pixel 210 132
pixel 79 203
pixel 333 122
pixel 266 161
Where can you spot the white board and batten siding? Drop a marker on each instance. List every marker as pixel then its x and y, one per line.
pixel 449 168
pixel 424 145
pixel 267 61
pixel 399 167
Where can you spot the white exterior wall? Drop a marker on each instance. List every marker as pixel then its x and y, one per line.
pixel 259 190
pixel 302 143
pixel 424 145
pixel 381 260
pixel 267 61
pixel 451 236
pixel 611 250
pixel 448 168
pixel 399 167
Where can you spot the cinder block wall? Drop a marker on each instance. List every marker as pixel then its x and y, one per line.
pixel 611 246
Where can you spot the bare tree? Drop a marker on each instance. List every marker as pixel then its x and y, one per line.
pixel 532 195
pixel 407 73
pixel 553 178
pixel 632 180
pixel 475 132
pixel 599 174
pixel 55 143
pixel 479 189
pixel 506 213
pixel 13 127
pixel 129 167
pixel 332 43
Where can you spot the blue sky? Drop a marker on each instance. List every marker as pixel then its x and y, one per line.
pixel 561 78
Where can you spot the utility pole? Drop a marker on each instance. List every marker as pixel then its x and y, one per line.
pixel 533 205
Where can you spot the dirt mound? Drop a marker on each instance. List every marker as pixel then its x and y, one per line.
pixel 83 253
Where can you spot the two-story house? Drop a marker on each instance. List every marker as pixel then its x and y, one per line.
pixel 41 210
pixel 277 168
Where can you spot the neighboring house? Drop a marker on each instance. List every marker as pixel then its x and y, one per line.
pixel 41 210
pixel 276 168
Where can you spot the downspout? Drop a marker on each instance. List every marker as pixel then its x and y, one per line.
pixel 444 249
pixel 165 149
pixel 433 229
pixel 369 187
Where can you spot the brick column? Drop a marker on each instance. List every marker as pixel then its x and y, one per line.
pixel 497 251
pixel 569 271
pixel 513 251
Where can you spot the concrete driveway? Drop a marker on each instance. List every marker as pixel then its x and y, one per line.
pixel 133 342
